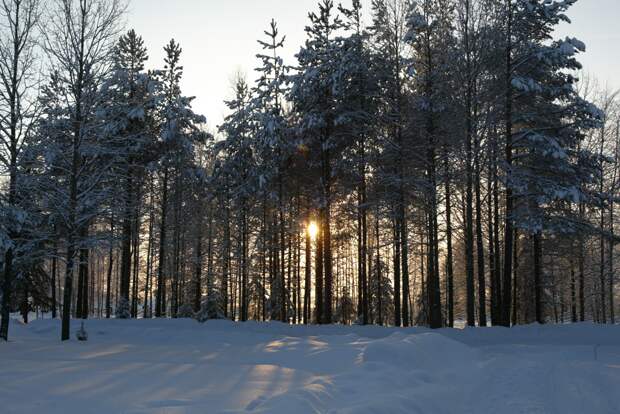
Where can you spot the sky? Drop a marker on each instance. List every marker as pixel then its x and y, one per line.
pixel 219 39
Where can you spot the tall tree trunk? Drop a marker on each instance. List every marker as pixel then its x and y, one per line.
pixel 362 254
pixel 244 264
pixel 379 272
pixel 610 255
pixel 264 249
pixel 82 293
pixel 318 284
pixel 74 229
pixel 108 294
pixel 515 278
pixel 66 309
pixel 308 277
pixel 7 293
pixel 210 281
pixel 226 255
pixel 482 295
pixel 610 264
pixel 160 300
pixel 434 287
pixel 538 277
pixel 469 197
pixel 54 272
pixel 176 257
pixel 148 302
pixel 494 239
pixel 405 263
pixel 126 239
pixel 396 258
pixel 602 275
pixel 508 227
pixel 449 258
pixel 582 285
pixel 282 250
pixel 135 290
pixel 573 292
pixel 327 244
pixel 198 268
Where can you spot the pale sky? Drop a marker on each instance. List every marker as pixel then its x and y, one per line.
pixel 218 38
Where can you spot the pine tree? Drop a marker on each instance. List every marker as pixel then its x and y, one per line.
pixel 388 31
pixel 357 120
pixel 549 118
pixel 314 98
pixel 430 35
pixel 129 92
pixel 180 133
pixel 240 174
pixel 273 147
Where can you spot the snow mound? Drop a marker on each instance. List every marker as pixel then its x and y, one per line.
pixel 421 351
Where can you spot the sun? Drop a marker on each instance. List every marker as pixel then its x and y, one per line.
pixel 313 230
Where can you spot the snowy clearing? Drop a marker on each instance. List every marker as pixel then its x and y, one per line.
pixel 180 366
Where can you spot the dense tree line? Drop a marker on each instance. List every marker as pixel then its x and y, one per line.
pixel 422 162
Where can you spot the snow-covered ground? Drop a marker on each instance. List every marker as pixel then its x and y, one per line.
pixel 181 366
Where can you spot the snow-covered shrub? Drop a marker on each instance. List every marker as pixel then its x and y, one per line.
pixel 345 309
pixel 122 311
pixel 381 294
pixel 212 307
pixel 185 311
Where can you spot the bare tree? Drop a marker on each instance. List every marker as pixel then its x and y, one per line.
pixel 18 79
pixel 79 40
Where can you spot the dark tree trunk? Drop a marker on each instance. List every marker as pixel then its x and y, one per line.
pixel 482 289
pixel 282 250
pixel 108 293
pixel 198 269
pixel 379 273
pixel 573 293
pixel 226 255
pixel 82 293
pixel 396 258
pixel 54 271
pixel 361 260
pixel 515 279
pixel 538 277
pixel 318 292
pixel 602 275
pixel 494 248
pixel 327 258
pixel 127 239
pixel 405 265
pixel 7 293
pixel 136 264
pixel 469 197
pixel 449 258
pixel 148 299
pixel 66 303
pixel 508 227
pixel 582 284
pixel 610 264
pixel 308 278
pixel 160 300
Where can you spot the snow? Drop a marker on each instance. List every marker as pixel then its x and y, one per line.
pixel 181 366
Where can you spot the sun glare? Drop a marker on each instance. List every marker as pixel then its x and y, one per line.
pixel 313 230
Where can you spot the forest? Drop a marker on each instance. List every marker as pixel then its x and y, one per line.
pixel 434 163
